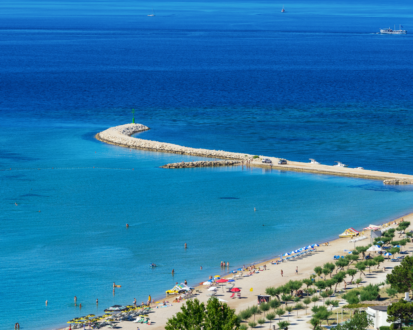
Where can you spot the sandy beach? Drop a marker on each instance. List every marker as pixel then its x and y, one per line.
pixel 257 283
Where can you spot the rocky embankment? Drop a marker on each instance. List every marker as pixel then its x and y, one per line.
pixel 398 181
pixel 203 163
pixel 121 136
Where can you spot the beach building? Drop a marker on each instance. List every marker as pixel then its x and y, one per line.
pixel 379 316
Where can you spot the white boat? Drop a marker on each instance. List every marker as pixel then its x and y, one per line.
pixel 283 10
pixel 313 161
pixel 153 14
pixel 393 31
pixel 340 164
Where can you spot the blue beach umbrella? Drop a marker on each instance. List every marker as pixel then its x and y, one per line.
pixel 286 254
pixel 231 280
pixel 240 269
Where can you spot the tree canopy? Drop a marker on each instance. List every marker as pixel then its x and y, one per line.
pixel 400 311
pixel 196 316
pixel 401 278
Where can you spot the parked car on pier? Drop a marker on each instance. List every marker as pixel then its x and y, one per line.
pixel 282 162
pixel 266 160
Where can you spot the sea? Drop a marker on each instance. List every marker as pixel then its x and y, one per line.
pixel 317 81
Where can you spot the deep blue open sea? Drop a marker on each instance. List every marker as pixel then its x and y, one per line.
pixel 314 82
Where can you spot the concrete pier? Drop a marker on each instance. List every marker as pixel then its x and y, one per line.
pixel 121 136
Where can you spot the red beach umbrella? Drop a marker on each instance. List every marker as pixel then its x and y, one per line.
pixel 222 280
pixel 235 290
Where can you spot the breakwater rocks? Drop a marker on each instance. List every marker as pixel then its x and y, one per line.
pixel 203 163
pixel 121 136
pixel 402 181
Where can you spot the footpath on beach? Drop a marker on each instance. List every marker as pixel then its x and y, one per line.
pixel 122 136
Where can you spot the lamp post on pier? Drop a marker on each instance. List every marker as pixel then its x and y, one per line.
pixel 133 116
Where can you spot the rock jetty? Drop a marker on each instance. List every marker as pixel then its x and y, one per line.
pixel 121 136
pixel 402 181
pixel 203 163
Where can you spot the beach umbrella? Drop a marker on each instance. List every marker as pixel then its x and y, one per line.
pixel 286 254
pixel 316 244
pixel 217 276
pixel 222 280
pixel 239 269
pixel 212 288
pixel 231 280
pixel 235 290
pixel 207 283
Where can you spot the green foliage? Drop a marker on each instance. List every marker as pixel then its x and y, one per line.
pixel 275 304
pixel 331 282
pixel 352 297
pixel 261 321
pixel 195 315
pixel 321 313
pixel 330 266
pixel 359 321
pixel 352 273
pixel 314 299
pixel 308 282
pixel 321 285
pixel 252 324
pixel 270 316
pixel 255 157
pixel 295 285
pixel 370 263
pixel 243 327
pixel 361 266
pixel 245 314
pixel 358 281
pixel 289 309
pixel 368 293
pixel 296 299
pixel 378 260
pixel 283 324
pixel 306 301
pixel 341 263
pixel 394 250
pixel 391 292
pixel 351 306
pixel 401 310
pixel 265 307
pixel 401 277
pixel 280 312
pixel 318 270
pixel 286 298
pixel 324 295
pixel 362 249
pixel 384 328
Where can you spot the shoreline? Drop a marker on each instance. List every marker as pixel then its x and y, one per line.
pixel 122 136
pixel 320 252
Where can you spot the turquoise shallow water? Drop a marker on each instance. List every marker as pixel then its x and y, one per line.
pixel 316 82
pixel 78 243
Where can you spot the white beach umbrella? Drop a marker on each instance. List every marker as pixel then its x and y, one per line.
pixel 212 288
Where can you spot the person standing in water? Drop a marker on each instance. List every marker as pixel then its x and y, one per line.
pixel 75 300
